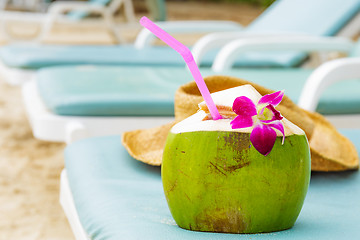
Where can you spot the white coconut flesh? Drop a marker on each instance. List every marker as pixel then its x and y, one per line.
pixel 224 101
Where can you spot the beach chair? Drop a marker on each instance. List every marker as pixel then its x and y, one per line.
pixel 25 5
pixel 61 109
pixel 126 199
pixel 284 17
pixel 18 63
pixel 342 112
pixel 127 195
pixel 69 12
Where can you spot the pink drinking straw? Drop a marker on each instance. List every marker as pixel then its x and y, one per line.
pixel 189 59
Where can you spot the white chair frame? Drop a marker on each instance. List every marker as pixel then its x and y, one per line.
pixel 56 13
pixel 67 203
pixel 324 76
pixel 218 40
pixel 226 57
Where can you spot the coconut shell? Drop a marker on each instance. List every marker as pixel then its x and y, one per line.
pixel 330 151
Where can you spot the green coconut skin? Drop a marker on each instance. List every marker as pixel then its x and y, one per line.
pixel 218 182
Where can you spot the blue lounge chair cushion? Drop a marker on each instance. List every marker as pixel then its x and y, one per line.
pixel 126 199
pixel 320 18
pixel 35 57
pixel 119 91
pixel 106 91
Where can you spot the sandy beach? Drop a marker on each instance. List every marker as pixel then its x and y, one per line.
pixel 30 169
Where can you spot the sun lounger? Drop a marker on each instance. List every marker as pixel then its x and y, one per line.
pixel 126 199
pixel 324 18
pixel 19 62
pixel 69 13
pixel 97 100
pixel 29 5
pixel 140 104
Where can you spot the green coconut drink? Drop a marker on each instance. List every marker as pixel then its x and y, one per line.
pixel 215 180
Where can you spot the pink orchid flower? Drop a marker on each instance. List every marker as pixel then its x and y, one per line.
pixel 263 117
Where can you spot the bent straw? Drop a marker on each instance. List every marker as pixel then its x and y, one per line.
pixel 189 60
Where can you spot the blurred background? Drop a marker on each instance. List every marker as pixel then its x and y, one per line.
pixel 242 11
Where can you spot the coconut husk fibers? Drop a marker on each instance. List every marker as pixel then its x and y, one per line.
pixel 330 151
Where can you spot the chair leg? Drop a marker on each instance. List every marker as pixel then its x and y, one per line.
pixel 3 4
pixel 129 11
pixel 111 26
pixel 46 26
pixel 3 30
pixel 117 35
pixel 157 9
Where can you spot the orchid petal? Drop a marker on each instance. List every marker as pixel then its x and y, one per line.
pixel 271 115
pixel 241 122
pixel 273 98
pixel 279 126
pixel 263 138
pixel 244 106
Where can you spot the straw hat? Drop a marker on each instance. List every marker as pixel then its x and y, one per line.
pixel 330 151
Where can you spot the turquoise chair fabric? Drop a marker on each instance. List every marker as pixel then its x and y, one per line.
pixel 117 197
pixel 36 57
pixel 77 15
pixel 310 17
pixel 282 16
pixel 121 91
pixel 320 18
pixel 109 91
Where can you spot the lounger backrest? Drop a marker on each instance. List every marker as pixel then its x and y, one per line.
pixel 317 17
pixel 314 17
